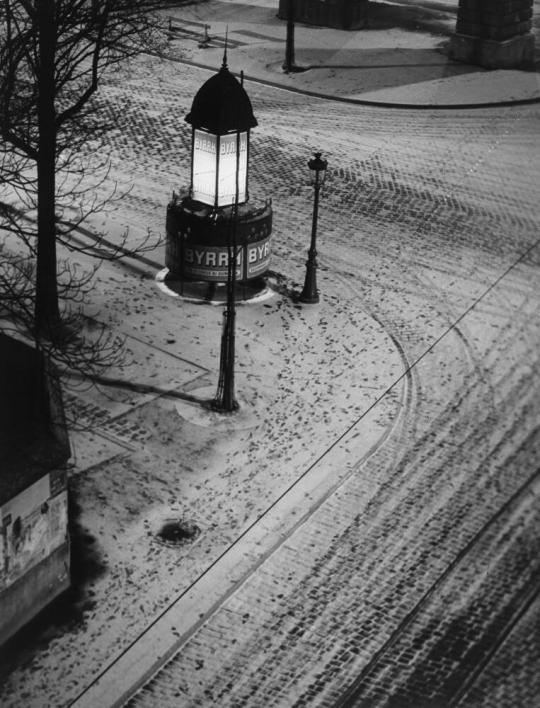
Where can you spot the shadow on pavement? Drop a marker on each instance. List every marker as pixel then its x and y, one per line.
pixel 419 18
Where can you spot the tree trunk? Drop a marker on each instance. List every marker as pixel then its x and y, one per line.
pixel 46 303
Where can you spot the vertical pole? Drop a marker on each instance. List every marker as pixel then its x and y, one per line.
pixel 310 294
pixel 247 164
pixel 216 196
pixel 182 261
pixel 225 397
pixel 192 161
pixel 46 303
pixel 289 43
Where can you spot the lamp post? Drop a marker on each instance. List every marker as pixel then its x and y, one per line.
pixel 214 236
pixel 221 118
pixel 288 64
pixel 317 168
pixel 225 399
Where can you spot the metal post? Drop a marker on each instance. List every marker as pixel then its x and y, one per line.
pixel 288 65
pixel 310 293
pixel 225 400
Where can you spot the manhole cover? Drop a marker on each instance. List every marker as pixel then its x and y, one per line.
pixel 175 532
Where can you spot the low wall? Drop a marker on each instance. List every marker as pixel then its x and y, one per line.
pixel 22 600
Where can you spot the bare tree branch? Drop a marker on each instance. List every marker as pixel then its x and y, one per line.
pixel 53 56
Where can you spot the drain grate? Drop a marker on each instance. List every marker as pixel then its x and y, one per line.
pixel 176 532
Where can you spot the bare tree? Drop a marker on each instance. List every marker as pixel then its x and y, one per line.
pixel 53 56
pixel 83 347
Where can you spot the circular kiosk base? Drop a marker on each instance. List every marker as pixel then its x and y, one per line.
pixel 214 293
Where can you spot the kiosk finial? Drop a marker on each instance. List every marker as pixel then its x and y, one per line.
pixel 224 65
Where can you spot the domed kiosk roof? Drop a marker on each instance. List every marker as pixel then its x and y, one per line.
pixel 221 105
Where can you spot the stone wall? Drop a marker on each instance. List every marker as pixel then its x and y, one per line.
pixel 496 19
pixel 341 14
pixel 494 33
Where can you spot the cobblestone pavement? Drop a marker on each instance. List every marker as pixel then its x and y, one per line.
pixel 511 678
pixel 416 565
pixel 339 591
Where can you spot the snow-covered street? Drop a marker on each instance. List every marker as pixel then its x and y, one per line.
pixel 382 471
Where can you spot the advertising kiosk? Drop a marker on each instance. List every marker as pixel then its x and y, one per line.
pixel 214 222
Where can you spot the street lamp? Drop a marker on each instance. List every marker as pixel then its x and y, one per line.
pixel 214 235
pixel 317 170
pixel 221 118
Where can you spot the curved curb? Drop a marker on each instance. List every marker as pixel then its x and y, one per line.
pixel 365 102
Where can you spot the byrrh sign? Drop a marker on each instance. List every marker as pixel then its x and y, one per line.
pixel 214 168
pixel 210 263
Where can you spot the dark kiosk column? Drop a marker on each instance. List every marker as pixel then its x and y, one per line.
pixel 342 14
pixel 495 34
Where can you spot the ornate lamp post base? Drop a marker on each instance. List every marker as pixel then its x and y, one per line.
pixel 225 405
pixel 225 400
pixel 293 68
pixel 310 294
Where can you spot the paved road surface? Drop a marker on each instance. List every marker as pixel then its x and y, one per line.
pixel 413 577
pixel 401 586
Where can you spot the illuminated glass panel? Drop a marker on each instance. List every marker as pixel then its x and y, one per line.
pixel 227 169
pixel 206 163
pixel 204 167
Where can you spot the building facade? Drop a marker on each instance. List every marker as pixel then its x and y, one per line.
pixel 34 448
pixel 495 34
pixel 341 14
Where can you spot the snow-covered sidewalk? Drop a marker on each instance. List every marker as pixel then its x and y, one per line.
pixel 399 59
